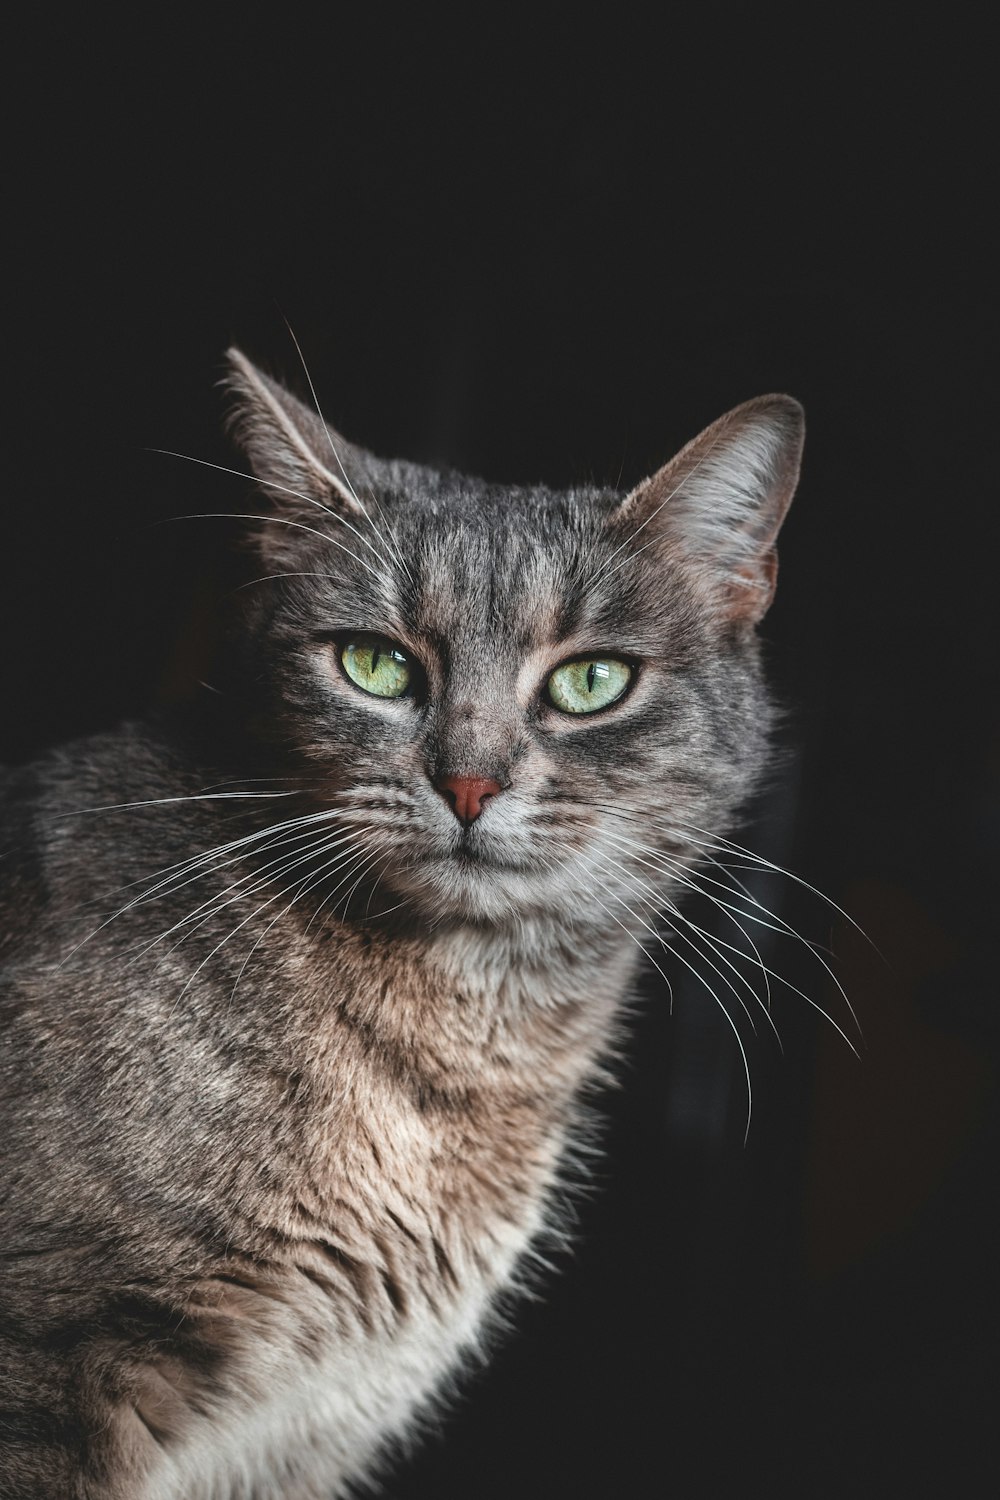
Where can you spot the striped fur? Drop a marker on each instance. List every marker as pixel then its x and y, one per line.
pixel 293 1061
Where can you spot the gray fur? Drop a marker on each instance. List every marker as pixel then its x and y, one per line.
pixel 282 1121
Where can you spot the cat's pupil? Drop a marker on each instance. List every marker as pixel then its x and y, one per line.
pixel 376 667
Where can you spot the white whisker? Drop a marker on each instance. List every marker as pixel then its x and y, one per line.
pixel 239 927
pixel 721 844
pixel 390 536
pixel 660 906
pixel 702 981
pixel 273 484
pixel 256 879
pixel 168 879
pixel 684 938
pixel 303 890
pixel 271 520
pixel 739 916
pixel 80 812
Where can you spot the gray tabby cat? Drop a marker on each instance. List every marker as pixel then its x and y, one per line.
pixel 299 1005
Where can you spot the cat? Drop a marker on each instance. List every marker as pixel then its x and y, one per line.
pixel 303 996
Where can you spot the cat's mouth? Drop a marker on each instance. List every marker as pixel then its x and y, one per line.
pixel 471 857
pixel 469 882
pixel 475 859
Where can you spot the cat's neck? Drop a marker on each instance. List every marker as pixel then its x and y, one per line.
pixel 484 1008
pixel 534 962
pixel 529 962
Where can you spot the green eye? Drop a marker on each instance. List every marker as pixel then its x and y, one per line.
pixel 376 666
pixel 584 686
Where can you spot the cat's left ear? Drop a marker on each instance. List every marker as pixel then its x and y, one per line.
pixel 718 506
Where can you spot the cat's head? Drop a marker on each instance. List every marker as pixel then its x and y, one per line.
pixel 508 694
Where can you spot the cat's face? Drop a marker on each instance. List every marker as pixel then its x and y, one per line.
pixel 509 694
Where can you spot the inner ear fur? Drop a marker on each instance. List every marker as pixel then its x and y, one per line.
pixel 718 506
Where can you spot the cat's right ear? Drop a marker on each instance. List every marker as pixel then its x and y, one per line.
pixel 297 459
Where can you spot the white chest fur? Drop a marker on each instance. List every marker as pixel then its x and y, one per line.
pixel 301 1424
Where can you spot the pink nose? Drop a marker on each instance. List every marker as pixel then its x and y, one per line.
pixel 466 794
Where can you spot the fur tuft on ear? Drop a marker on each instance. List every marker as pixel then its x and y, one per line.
pixel 298 460
pixel 719 504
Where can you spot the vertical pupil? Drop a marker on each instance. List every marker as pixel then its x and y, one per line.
pixel 591 674
pixel 376 658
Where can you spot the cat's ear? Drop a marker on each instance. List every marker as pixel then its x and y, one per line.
pixel 719 504
pixel 298 460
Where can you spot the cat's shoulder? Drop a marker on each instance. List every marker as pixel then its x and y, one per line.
pixel 65 814
pixel 77 780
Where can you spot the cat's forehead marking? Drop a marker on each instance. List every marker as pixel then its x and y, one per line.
pixel 507 583
pixel 495 582
pixel 500 591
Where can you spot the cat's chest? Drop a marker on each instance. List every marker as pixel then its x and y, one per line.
pixel 401 1215
pixel 407 1172
pixel 313 1387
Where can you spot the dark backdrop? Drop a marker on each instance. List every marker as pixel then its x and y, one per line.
pixel 545 253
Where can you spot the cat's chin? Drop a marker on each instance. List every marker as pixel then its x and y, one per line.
pixel 476 887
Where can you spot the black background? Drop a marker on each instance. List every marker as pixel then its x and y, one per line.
pixel 557 254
